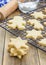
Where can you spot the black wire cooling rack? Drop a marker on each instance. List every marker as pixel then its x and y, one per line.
pixel 21 33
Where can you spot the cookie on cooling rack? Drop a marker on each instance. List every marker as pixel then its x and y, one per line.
pixel 17 22
pixel 44 10
pixel 36 24
pixel 38 15
pixel 44 23
pixel 34 34
pixel 42 42
pixel 17 47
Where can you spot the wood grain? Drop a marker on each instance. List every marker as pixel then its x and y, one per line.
pixel 2 40
pixel 31 58
pixel 42 57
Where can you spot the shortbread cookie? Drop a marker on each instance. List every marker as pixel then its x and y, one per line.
pixel 17 47
pixel 17 22
pixel 45 10
pixel 36 24
pixel 42 42
pixel 37 15
pixel 34 34
pixel 44 23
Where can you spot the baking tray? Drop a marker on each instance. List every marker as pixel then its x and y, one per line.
pixel 22 33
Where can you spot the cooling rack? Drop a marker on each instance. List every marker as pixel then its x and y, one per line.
pixel 21 33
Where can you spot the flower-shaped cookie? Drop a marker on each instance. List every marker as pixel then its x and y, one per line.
pixel 17 22
pixel 17 47
pixel 37 15
pixel 42 42
pixel 34 34
pixel 36 24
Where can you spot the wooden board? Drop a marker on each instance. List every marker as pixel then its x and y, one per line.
pixel 2 42
pixel 42 57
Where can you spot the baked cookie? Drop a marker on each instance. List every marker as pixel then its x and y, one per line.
pixel 36 24
pixel 38 15
pixel 34 34
pixel 17 47
pixel 42 42
pixel 17 22
pixel 44 23
pixel 44 10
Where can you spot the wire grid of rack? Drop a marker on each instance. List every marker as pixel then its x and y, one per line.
pixel 22 34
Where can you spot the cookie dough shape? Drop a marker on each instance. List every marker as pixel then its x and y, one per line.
pixel 36 23
pixel 17 47
pixel 38 15
pixel 17 22
pixel 44 23
pixel 42 42
pixel 34 34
